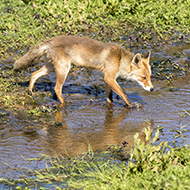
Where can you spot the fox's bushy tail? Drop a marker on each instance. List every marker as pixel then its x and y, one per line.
pixel 32 57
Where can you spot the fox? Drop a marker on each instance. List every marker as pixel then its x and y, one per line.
pixel 59 53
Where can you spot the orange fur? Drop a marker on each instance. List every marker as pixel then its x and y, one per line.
pixel 113 60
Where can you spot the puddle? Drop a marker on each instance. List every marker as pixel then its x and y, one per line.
pixel 87 119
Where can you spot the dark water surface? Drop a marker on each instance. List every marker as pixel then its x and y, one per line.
pixel 87 119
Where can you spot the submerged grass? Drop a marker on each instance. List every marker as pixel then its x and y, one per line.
pixel 150 165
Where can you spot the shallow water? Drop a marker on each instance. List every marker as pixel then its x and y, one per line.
pixel 87 119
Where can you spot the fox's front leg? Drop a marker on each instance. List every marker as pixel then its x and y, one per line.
pixel 117 89
pixel 109 94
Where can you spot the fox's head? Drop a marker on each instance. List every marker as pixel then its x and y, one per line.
pixel 141 71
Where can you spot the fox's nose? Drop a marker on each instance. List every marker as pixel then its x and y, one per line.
pixel 151 89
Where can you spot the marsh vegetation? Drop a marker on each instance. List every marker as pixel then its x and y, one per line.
pixel 57 137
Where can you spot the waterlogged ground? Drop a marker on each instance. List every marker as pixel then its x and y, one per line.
pixel 86 119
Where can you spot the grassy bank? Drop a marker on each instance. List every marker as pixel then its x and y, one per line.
pixel 148 166
pixel 25 22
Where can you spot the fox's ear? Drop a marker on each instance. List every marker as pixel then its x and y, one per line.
pixel 136 60
pixel 147 55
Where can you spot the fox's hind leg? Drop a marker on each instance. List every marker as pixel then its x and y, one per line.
pixel 44 70
pixel 62 70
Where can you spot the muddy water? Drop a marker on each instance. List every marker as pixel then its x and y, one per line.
pixel 87 119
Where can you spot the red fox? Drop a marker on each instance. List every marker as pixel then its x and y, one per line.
pixel 114 61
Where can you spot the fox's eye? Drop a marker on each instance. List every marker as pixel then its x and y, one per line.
pixel 144 78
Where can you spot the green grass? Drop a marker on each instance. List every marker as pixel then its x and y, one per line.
pixel 25 22
pixel 149 165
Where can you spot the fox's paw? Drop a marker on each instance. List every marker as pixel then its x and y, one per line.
pixel 134 105
pixel 30 93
